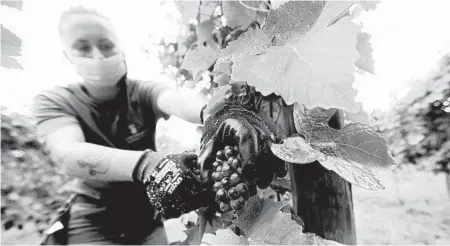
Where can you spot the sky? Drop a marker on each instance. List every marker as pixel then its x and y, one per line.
pixel 408 37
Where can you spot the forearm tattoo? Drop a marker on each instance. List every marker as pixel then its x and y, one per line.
pixel 95 165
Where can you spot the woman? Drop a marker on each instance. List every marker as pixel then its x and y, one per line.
pixel 98 130
pixel 102 131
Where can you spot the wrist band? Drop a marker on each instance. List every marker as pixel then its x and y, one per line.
pixel 201 113
pixel 139 165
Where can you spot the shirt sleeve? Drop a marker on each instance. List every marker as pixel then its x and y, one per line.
pixel 149 92
pixel 50 113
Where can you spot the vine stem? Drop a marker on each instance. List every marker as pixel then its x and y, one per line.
pixel 253 8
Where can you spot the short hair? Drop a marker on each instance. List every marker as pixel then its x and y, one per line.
pixel 81 11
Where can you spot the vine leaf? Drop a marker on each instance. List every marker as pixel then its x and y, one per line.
pixel 217 101
pixel 275 4
pixel 292 20
pixel 369 5
pixel 262 221
pixel 295 150
pixel 187 9
pixel 204 30
pixel 252 42
pixel 224 237
pixel 365 60
pixel 200 57
pixel 222 79
pixel 315 68
pixel 207 9
pixel 351 152
pixel 222 68
pixel 238 15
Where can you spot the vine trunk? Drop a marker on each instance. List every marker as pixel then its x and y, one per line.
pixel 322 199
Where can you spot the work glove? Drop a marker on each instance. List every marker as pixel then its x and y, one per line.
pixel 173 186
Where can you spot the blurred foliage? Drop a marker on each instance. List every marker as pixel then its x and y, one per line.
pixel 211 31
pixel 31 181
pixel 11 45
pixel 418 127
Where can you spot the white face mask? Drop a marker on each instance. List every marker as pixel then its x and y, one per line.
pixel 101 75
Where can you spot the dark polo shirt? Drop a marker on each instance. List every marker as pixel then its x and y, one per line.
pixel 127 123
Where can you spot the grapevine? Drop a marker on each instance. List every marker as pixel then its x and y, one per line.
pixel 304 52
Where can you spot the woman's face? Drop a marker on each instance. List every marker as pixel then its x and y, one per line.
pixel 89 36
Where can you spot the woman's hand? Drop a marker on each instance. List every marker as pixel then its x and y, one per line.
pixel 173 184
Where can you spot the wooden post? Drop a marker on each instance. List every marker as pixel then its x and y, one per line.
pixel 323 200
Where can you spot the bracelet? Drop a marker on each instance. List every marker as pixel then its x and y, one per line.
pixel 140 166
pixel 201 113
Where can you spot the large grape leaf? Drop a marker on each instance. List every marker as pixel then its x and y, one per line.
pixel 252 42
pixel 11 47
pixel 369 5
pixel 275 4
pixel 365 60
pixel 296 150
pixel 204 31
pixel 188 9
pixel 315 68
pixel 218 99
pixel 17 4
pixel 238 15
pixel 262 221
pixel 207 9
pixel 351 151
pixel 200 57
pixel 292 20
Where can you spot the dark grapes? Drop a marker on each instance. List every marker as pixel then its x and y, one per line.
pixel 244 194
pixel 217 163
pixel 217 186
pixel 241 187
pixel 234 179
pixel 219 169
pixel 221 155
pixel 239 171
pixel 225 182
pixel 226 170
pixel 217 176
pixel 231 190
pixel 236 163
pixel 221 195
pixel 233 193
pixel 229 152
pixel 243 190
pixel 225 207
pixel 237 204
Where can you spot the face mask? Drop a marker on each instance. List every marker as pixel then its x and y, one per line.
pixel 102 71
pixel 101 76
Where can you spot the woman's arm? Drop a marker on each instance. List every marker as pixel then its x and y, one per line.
pixel 184 104
pixel 90 161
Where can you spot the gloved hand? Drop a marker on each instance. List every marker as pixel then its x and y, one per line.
pixel 173 185
pixel 238 126
pixel 271 108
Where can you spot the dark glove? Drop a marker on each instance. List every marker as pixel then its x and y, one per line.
pixel 173 186
pixel 272 109
pixel 238 126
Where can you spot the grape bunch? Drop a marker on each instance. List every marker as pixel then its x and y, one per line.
pixel 231 189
